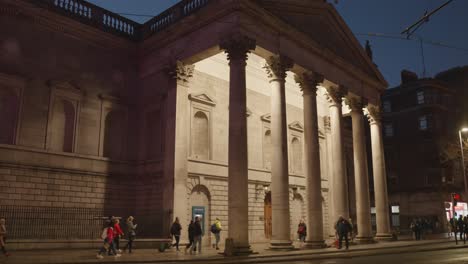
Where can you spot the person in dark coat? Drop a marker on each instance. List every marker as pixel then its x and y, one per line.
pixel 302 231
pixel 343 227
pixel 175 231
pixel 197 235
pixel 191 234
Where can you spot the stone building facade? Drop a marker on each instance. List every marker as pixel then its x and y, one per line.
pixel 203 110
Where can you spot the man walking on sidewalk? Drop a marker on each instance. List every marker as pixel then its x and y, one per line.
pixel 197 235
pixel 343 228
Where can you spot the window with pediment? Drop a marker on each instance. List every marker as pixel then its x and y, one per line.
pixel 200 137
pixel 63 117
pixel 11 88
pixel 296 152
pixel 113 127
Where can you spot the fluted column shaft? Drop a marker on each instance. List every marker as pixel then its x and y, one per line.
pixel 276 69
pixel 380 178
pixel 340 182
pixel 360 172
pixel 237 47
pixel 308 82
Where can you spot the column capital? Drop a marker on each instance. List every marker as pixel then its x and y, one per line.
pixel 308 81
pixel 237 46
pixel 356 104
pixel 374 114
pixel 180 71
pixel 276 67
pixel 335 94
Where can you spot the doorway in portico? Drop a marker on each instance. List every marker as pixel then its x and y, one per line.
pixel 267 215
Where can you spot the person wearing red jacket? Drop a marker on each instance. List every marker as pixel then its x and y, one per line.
pixel 108 241
pixel 118 233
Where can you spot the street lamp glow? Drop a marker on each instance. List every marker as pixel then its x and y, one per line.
pixel 465 129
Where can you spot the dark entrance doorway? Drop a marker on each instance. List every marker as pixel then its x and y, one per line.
pixel 267 215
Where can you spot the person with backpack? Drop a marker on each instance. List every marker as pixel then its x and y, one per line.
pixel 191 234
pixel 216 230
pixel 302 231
pixel 108 237
pixel 175 231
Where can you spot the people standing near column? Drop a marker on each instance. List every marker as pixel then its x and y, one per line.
pixel 302 231
pixel 175 232
pixel 197 236
pixel 216 230
pixel 191 235
pixel 3 235
pixel 131 233
pixel 343 227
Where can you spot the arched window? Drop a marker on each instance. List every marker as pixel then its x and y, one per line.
pixel 9 107
pixel 63 126
pixel 113 135
pixel 200 136
pixel 296 155
pixel 267 150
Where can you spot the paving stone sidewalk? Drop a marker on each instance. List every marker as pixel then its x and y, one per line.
pixel 210 255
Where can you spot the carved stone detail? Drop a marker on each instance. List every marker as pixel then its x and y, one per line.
pixel 356 104
pixel 308 81
pixel 237 46
pixel 374 114
pixel 335 95
pixel 276 67
pixel 181 72
pixel 326 123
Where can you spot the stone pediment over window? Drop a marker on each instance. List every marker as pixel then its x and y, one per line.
pixel 296 125
pixel 65 85
pixel 266 118
pixel 202 98
pixel 110 98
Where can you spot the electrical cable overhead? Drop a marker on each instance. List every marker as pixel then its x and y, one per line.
pixel 425 18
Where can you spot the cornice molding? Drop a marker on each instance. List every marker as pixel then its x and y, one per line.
pixel 202 98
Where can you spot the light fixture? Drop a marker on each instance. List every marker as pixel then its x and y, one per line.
pixel 465 129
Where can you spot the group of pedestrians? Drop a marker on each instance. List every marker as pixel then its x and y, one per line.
pixel 459 227
pixel 3 235
pixel 111 235
pixel 195 234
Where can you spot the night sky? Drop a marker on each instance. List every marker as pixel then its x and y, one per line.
pixel 448 26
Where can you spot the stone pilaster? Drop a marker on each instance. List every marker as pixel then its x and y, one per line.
pixel 360 170
pixel 237 48
pixel 339 186
pixel 276 67
pixel 380 178
pixel 176 146
pixel 308 82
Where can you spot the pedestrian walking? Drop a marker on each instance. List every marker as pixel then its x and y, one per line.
pixel 118 233
pixel 302 231
pixel 191 235
pixel 197 236
pixel 131 234
pixel 216 230
pixel 175 232
pixel 108 237
pixel 460 226
pixel 351 229
pixel 343 227
pixel 3 236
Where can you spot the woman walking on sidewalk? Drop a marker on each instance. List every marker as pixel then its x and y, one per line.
pixel 131 234
pixel 108 235
pixel 191 230
pixel 175 231
pixel 3 233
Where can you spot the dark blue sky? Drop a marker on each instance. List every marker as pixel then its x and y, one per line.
pixel 448 26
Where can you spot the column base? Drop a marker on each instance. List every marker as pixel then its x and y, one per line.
pixel 281 245
pixel 236 249
pixel 384 237
pixel 365 240
pixel 315 244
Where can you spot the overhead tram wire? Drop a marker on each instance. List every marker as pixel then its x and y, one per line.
pixel 425 18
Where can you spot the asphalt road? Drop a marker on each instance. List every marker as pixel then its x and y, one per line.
pixel 452 256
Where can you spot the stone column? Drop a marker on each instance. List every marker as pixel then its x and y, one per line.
pixel 276 68
pixel 175 156
pixel 380 178
pixel 339 182
pixel 360 171
pixel 308 82
pixel 237 47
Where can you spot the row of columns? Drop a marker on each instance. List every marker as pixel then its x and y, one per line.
pixel 237 47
